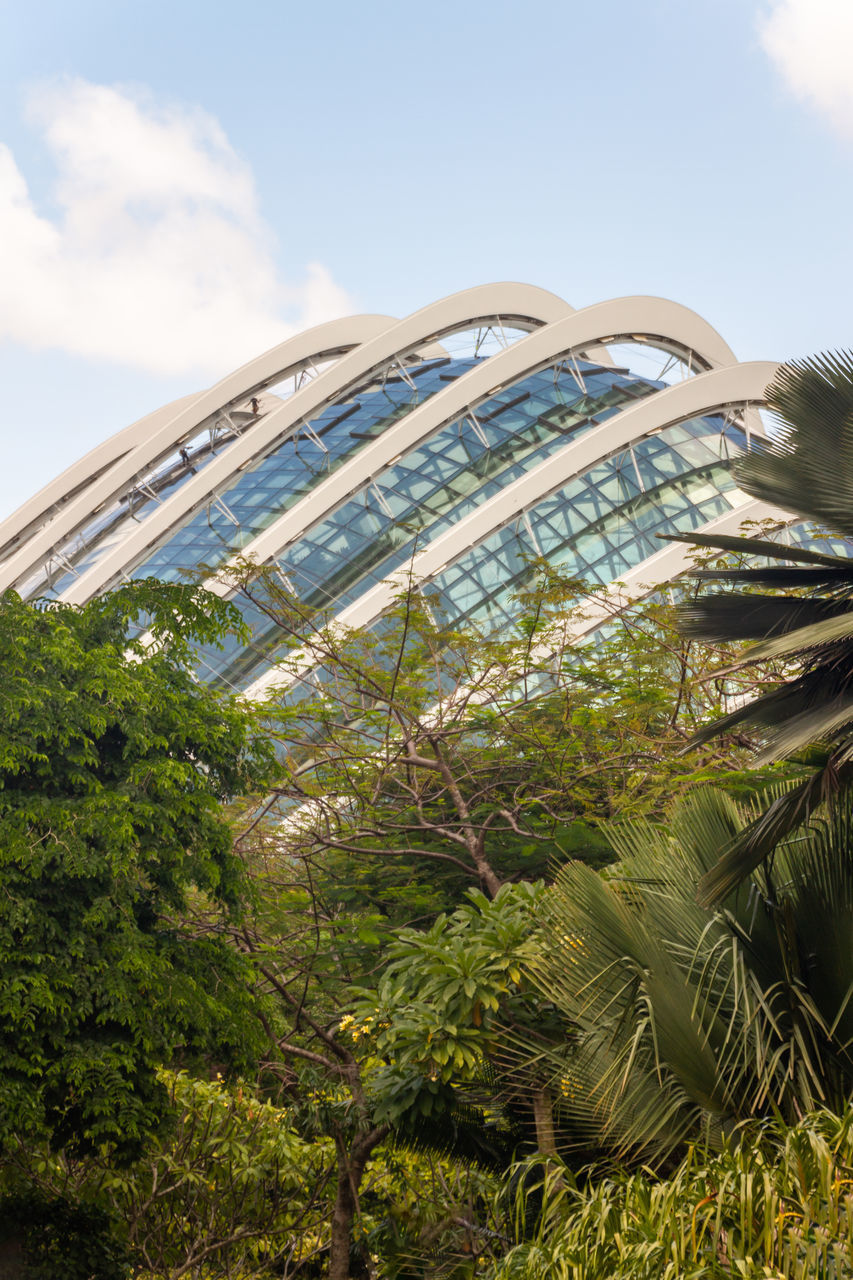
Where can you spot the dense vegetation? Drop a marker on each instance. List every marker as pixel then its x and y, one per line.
pixel 427 990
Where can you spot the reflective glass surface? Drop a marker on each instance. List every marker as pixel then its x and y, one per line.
pixel 260 491
pixel 446 477
pixel 270 485
pixel 111 526
pixel 597 527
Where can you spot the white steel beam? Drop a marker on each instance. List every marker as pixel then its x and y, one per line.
pixel 652 573
pixel 68 503
pixel 659 321
pixel 522 306
pixel 706 393
pixel 684 328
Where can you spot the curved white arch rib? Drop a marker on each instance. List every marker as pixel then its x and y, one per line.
pixel 522 306
pixel 82 472
pixel 620 316
pixel 707 393
pixel 576 331
pixel 75 496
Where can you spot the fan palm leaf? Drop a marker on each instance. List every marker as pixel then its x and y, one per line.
pixel 807 469
pixel 689 1019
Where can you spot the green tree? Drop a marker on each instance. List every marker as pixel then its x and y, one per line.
pixel 807 469
pixel 446 999
pixel 114 768
pixel 422 761
pixel 466 758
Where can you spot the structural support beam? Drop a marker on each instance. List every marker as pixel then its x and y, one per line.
pixel 522 306
pixel 707 393
pixel 648 576
pixel 571 333
pixel 69 501
pixel 687 332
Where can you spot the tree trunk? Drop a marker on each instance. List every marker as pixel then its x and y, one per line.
pixel 351 1166
pixel 343 1216
pixel 12 1265
pixel 543 1116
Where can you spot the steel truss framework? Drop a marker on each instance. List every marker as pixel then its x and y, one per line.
pixel 392 455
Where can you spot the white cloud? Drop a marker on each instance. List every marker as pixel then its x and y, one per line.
pixel 811 42
pixel 157 255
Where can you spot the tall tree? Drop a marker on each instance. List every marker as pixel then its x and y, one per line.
pixel 421 761
pixel 114 767
pixel 422 742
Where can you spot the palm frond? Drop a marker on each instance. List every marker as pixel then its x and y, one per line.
pixel 778 576
pixel 813 636
pixel 815 725
pixel 770 709
pixel 808 466
pixel 739 616
pixel 758 840
pixel 758 547
pixel 690 1019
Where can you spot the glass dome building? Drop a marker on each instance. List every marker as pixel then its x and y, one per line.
pixel 484 430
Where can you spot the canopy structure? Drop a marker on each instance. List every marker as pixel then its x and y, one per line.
pixel 484 431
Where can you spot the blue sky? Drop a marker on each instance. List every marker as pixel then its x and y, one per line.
pixel 184 183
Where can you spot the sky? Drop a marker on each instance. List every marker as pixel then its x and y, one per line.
pixel 184 184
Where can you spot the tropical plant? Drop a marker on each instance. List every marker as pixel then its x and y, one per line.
pixel 774 1203
pixel 413 771
pixel 114 767
pixel 690 1020
pixel 807 469
pixel 233 1189
pixel 436 1022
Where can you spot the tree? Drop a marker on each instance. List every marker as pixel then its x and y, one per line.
pixel 446 998
pixel 468 755
pixel 114 767
pixel 422 761
pixel 807 468
pixel 689 1020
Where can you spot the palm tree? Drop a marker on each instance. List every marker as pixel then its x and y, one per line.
pixel 807 469
pixel 690 1020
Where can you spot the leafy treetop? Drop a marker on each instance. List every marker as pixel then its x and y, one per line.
pixel 114 765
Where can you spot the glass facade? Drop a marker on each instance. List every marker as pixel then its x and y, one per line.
pixel 599 525
pixel 445 478
pixel 276 477
pixel 109 527
pixel 271 485
pixel 260 492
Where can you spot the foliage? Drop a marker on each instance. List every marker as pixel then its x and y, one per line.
pixel 50 1236
pixel 233 1189
pixel 437 1020
pixel 422 758
pixel 436 1001
pixel 690 1020
pixel 421 761
pixel 807 468
pixel 114 767
pixel 773 1204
